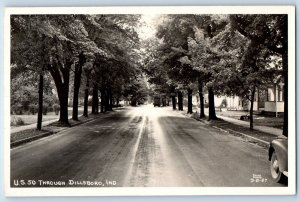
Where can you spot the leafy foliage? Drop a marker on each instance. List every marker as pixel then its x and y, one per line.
pixel 55 44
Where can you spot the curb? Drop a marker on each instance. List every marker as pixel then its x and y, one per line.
pixel 46 134
pixel 248 138
pixel 30 139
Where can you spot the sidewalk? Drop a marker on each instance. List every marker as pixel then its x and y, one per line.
pixel 261 135
pixel 246 124
pixel 265 129
pixel 32 126
pixel 44 123
pixel 28 133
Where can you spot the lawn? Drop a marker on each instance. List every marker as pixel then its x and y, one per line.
pixel 31 119
pixel 259 120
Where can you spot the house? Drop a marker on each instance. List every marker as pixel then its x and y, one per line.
pixel 274 105
pixel 269 101
pixel 227 102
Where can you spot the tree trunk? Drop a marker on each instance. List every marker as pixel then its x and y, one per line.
pixel 86 95
pixel 180 101
pixel 174 102
pixel 111 101
pixel 77 78
pixel 95 101
pixel 64 95
pixel 190 102
pixel 102 91
pixel 40 107
pixel 201 97
pixel 251 108
pixel 133 101
pixel 77 81
pixel 211 105
pixel 173 97
pixel 61 77
pixel 108 99
pixel 63 102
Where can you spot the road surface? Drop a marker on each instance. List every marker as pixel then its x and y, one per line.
pixel 141 146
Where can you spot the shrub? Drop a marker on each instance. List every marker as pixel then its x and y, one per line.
pixel 56 108
pixel 33 108
pixel 45 110
pixel 20 109
pixel 223 103
pixel 16 121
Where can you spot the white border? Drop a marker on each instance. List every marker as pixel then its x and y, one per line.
pixel 126 191
pixel 280 9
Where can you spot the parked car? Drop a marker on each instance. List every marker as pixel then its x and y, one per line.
pixel 278 157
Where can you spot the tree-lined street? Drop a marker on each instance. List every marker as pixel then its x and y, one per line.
pixel 116 76
pixel 142 146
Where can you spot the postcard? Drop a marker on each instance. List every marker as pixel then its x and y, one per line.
pixel 173 100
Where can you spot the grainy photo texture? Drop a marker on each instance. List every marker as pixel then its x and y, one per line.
pixel 128 100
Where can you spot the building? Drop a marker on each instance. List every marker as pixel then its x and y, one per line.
pixel 269 101
pixel 274 105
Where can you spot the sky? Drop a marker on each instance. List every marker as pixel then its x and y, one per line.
pixel 147 30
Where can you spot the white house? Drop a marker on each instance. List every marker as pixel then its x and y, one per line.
pixel 270 101
pixel 275 100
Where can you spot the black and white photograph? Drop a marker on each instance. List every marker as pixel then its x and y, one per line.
pixel 150 101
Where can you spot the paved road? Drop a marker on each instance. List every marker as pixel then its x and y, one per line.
pixel 142 146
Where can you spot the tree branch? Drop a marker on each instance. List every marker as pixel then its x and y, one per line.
pixel 257 39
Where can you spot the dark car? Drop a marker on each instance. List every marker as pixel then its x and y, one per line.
pixel 278 156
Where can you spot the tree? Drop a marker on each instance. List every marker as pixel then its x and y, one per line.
pixel 61 44
pixel 116 35
pixel 87 72
pixel 253 73
pixel 77 81
pixel 26 40
pixel 244 65
pixel 270 31
pixel 156 70
pixel 201 56
pixel 178 31
pixel 175 31
pixel 137 91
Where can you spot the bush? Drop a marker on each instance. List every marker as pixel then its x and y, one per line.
pixel 19 109
pixel 45 110
pixel 223 103
pixel 33 108
pixel 56 108
pixel 16 121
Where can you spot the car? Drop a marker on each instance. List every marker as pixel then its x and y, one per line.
pixel 157 101
pixel 278 157
pixel 245 117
